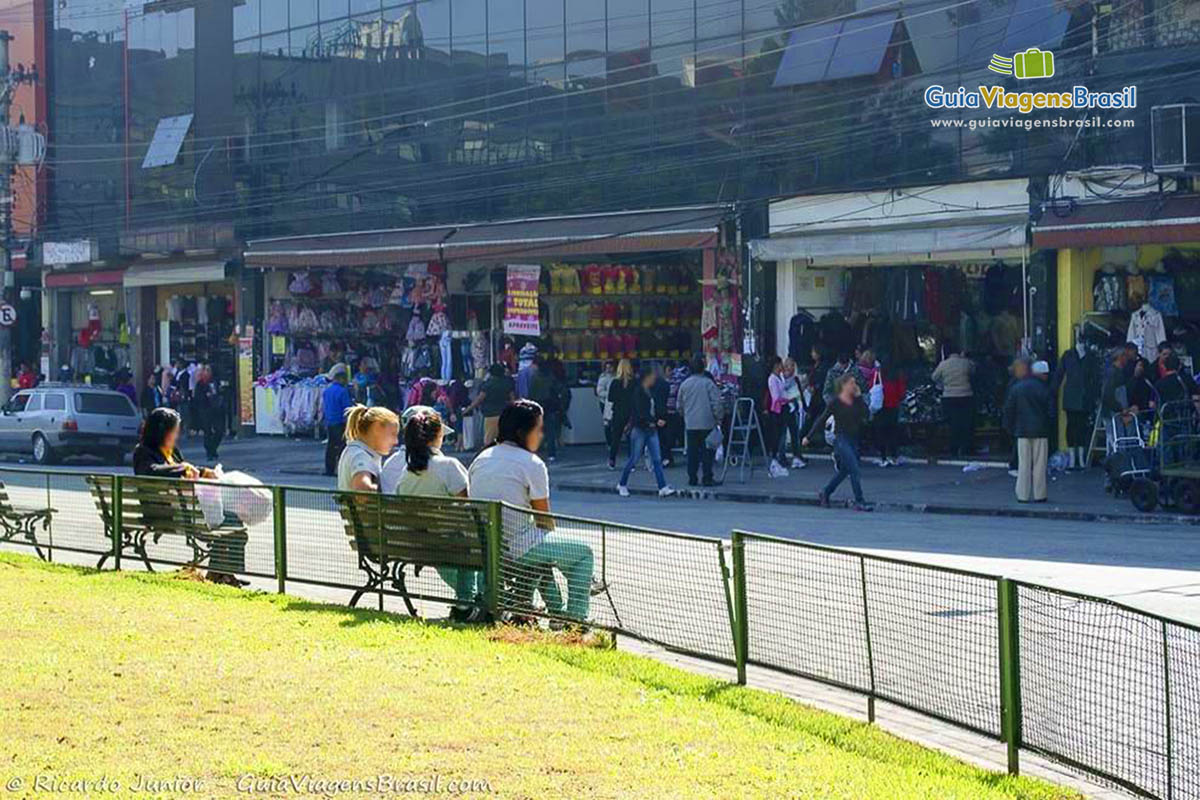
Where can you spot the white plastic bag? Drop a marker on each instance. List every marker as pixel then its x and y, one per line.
pixel 212 503
pixel 244 496
pixel 875 396
pixel 830 430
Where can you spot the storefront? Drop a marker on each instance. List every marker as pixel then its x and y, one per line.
pixel 909 274
pixel 89 334
pixel 410 307
pixel 1127 271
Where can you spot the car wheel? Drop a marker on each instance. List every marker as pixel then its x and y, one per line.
pixel 1144 494
pixel 42 453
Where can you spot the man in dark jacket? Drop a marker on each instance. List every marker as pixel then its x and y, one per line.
pixel 1028 416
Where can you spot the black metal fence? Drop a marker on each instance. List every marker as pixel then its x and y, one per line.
pixel 1104 688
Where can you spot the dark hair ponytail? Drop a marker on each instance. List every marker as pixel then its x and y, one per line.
pixel 419 435
pixel 517 421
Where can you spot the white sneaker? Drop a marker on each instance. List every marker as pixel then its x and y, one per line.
pixel 666 491
pixel 777 470
pixel 799 463
pixel 1012 473
pixel 622 490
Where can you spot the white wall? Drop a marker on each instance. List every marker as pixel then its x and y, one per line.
pixel 798 285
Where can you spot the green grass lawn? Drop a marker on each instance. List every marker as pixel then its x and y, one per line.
pixel 110 675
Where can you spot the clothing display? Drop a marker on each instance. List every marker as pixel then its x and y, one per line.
pixel 1147 331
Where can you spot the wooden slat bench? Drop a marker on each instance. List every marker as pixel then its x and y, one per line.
pixel 16 522
pixel 158 507
pixel 390 533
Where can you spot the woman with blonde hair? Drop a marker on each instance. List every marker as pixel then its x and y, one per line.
pixel 371 433
pixel 620 397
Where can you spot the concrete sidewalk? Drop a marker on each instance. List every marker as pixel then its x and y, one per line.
pixel 981 489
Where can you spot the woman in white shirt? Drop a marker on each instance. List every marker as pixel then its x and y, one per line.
pixel 431 474
pixel 371 433
pixel 511 471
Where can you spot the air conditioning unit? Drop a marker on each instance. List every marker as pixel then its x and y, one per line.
pixel 1175 137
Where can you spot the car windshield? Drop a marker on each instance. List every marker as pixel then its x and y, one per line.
pixel 112 404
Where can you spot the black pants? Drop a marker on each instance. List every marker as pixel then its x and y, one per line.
pixel 212 439
pixel 786 424
pixel 699 456
pixel 887 432
pixel 616 432
pixel 960 416
pixel 1078 430
pixel 334 447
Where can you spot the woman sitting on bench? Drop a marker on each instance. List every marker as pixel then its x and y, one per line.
pixel 371 433
pixel 157 456
pixel 510 470
pixel 429 473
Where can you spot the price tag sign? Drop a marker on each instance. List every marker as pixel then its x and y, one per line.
pixel 8 315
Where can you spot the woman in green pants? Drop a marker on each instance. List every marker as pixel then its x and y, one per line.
pixel 511 471
pixel 429 473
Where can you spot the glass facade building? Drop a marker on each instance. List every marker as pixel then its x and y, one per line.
pixel 314 115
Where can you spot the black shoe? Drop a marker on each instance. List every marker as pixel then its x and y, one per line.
pixel 822 499
pixel 711 482
pixel 471 615
pixel 693 482
pixel 863 506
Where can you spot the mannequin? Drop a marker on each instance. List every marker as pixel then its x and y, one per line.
pixel 1078 377
pixel 1146 329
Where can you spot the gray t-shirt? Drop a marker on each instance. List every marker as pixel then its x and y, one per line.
pixel 516 476
pixel 356 458
pixel 444 476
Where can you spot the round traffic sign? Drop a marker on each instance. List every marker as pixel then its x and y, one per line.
pixel 8 315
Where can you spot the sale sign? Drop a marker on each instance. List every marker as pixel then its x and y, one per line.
pixel 521 300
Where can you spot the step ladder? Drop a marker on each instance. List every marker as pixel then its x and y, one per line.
pixel 743 430
pixel 1099 440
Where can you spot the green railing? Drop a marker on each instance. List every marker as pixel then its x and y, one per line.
pixel 1099 686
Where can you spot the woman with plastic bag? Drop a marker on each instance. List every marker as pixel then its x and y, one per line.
pixel 157 455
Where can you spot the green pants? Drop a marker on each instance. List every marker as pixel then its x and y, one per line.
pixel 535 570
pixel 467 584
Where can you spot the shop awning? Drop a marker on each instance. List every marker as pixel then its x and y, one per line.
pixel 1162 219
pixel 80 279
pixel 592 234
pixel 851 48
pixel 167 274
pixel 509 240
pixel 982 220
pixel 359 248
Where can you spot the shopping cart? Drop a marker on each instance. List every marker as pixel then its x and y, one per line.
pixel 1129 455
pixel 1174 478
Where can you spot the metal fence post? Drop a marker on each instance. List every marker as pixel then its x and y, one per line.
pixel 278 501
pixel 118 523
pixel 1010 671
pixel 495 541
pixel 1167 697
pixel 741 625
pixel 862 569
pixel 49 525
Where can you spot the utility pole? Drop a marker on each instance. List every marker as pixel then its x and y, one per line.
pixel 10 141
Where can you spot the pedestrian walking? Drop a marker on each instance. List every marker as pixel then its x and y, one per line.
pixel 850 415
pixel 953 375
pixel 335 399
pixel 208 411
pixel 699 402
pixel 844 365
pixel 620 398
pixel 546 388
pixel 672 434
pixel 816 387
pixel 152 396
pixel 1028 415
pixel 646 418
pixel 602 383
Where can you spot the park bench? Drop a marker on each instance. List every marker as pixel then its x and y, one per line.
pixel 158 507
pixel 391 533
pixel 16 522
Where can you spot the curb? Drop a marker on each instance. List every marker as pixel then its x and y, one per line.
pixel 721 494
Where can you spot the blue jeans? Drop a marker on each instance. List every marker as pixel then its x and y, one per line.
pixel 641 440
pixel 845 457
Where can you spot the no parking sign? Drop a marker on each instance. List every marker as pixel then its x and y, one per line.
pixel 8 315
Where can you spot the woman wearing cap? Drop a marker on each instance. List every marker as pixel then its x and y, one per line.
pixel 428 473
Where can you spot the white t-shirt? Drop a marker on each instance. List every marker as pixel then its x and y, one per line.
pixel 518 477
pixel 356 458
pixel 444 476
pixel 393 470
